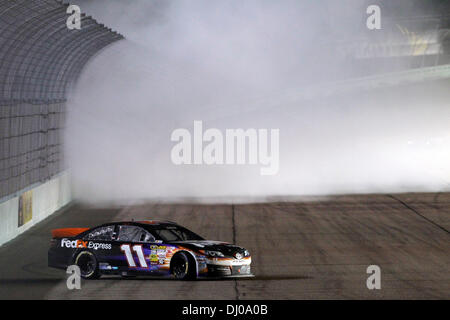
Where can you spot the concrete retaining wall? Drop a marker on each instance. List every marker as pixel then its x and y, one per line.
pixel 46 199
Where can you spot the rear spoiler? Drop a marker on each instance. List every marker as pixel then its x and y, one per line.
pixel 67 232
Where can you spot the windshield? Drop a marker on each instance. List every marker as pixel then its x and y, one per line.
pixel 175 233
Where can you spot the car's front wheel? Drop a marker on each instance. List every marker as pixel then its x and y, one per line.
pixel 183 267
pixel 87 262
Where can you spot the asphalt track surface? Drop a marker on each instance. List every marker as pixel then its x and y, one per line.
pixel 318 248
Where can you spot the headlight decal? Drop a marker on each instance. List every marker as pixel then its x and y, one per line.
pixel 211 253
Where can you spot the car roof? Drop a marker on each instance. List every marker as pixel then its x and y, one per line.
pixel 145 222
pixel 155 222
pixel 149 225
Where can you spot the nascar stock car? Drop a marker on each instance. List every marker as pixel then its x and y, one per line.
pixel 152 248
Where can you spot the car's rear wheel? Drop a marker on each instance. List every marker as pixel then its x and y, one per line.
pixel 88 265
pixel 183 267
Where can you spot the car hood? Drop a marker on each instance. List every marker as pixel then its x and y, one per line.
pixel 226 248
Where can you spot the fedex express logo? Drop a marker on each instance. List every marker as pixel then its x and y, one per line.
pixel 66 243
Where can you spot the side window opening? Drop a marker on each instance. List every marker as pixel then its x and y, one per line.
pixel 134 234
pixel 176 233
pixel 166 235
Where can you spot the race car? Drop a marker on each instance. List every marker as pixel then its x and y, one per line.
pixel 151 248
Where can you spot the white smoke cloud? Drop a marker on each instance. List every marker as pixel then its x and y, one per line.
pixel 222 62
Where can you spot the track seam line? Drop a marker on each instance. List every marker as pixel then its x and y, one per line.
pixel 236 289
pixel 234 224
pixel 418 213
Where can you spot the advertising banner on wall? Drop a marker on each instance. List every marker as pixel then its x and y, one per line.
pixel 25 207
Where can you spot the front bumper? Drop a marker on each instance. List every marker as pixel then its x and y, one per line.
pixel 228 267
pixel 229 271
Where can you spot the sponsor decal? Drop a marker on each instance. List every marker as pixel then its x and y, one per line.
pixel 153 259
pixel 158 254
pixel 66 243
pixel 96 246
pixel 73 244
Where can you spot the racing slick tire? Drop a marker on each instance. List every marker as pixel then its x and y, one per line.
pixel 87 262
pixel 182 266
